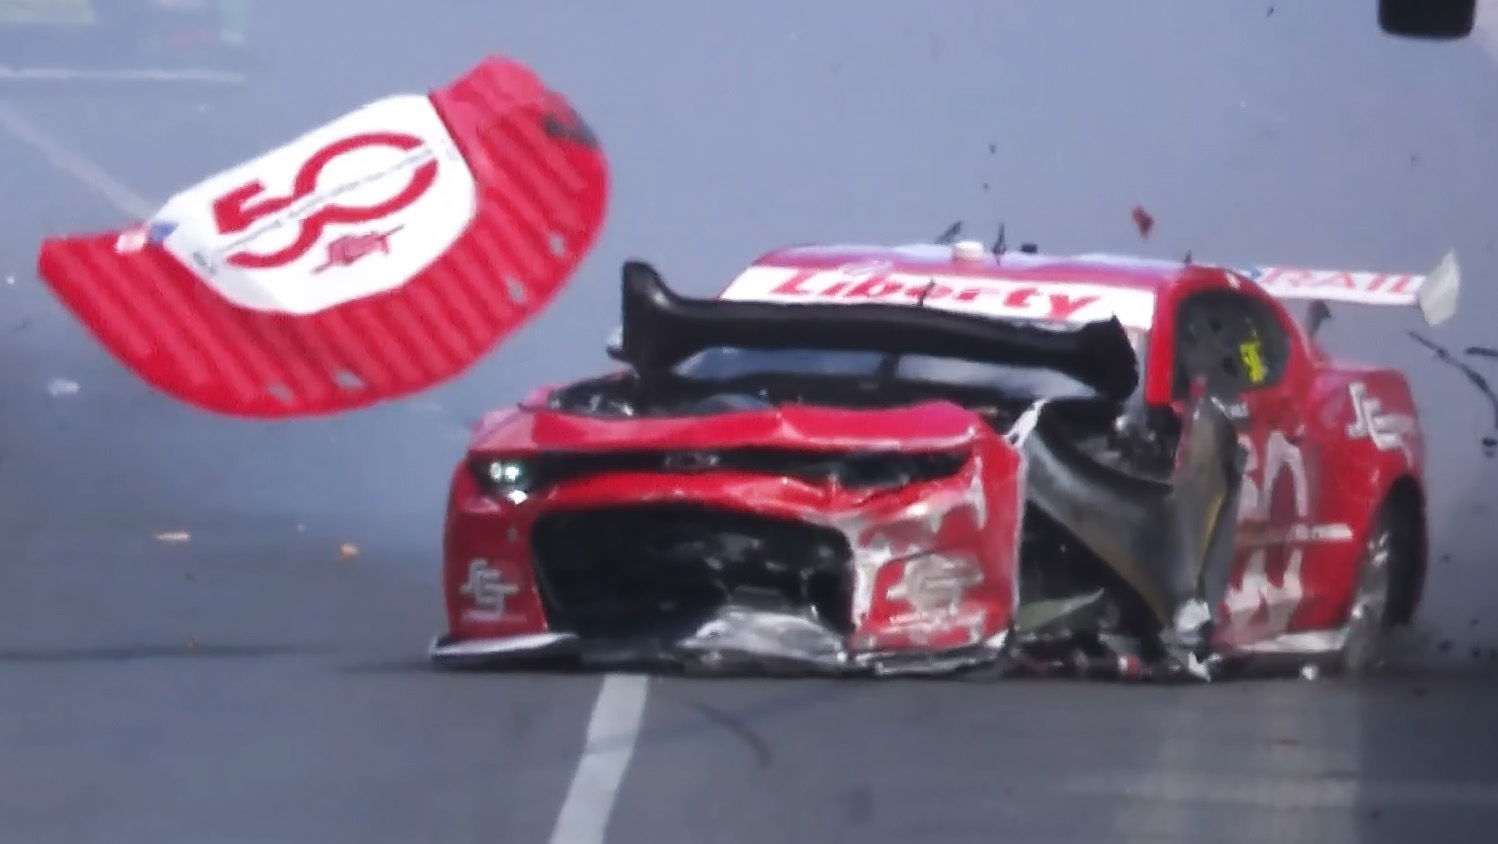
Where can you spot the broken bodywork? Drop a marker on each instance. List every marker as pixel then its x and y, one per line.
pixel 843 489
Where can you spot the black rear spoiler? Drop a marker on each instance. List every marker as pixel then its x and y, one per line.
pixel 662 328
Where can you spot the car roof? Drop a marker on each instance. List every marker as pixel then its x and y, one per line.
pixel 966 276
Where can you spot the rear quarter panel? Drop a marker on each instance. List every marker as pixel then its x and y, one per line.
pixel 1365 426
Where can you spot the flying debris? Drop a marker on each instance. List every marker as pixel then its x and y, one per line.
pixel 1143 221
pixel 1489 442
pixel 464 200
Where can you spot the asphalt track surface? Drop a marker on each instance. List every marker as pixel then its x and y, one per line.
pixel 257 684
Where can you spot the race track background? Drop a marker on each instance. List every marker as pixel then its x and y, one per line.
pixel 261 682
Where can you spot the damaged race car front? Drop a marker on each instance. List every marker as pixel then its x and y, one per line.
pixel 777 538
pixel 833 489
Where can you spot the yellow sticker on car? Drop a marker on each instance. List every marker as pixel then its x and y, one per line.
pixel 1252 353
pixel 55 12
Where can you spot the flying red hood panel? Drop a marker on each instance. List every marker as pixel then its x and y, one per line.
pixel 928 426
pixel 369 259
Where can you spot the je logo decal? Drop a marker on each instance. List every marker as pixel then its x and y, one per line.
pixel 488 590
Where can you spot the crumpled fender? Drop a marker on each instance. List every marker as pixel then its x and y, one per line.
pixel 1171 542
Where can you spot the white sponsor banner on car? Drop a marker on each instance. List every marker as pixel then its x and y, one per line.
pixel 1049 301
pixel 1339 285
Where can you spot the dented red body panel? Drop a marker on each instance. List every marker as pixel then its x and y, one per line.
pixel 1327 443
pixel 971 517
pixel 1304 520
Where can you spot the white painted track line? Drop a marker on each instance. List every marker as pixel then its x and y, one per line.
pixel 18 125
pixel 612 732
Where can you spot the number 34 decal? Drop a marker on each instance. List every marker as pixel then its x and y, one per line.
pixel 1282 462
pixel 1269 590
pixel 238 209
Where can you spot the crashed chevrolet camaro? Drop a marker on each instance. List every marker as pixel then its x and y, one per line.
pixel 933 458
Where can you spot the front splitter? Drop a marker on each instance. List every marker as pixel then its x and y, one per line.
pixel 734 642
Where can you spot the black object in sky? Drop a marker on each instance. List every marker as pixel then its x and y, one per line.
pixel 1435 19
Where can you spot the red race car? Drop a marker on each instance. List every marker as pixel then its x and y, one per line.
pixel 936 457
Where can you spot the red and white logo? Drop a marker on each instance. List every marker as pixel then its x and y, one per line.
pixel 347 250
pixel 381 253
pixel 284 231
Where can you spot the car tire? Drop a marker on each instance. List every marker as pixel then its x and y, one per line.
pixel 1369 620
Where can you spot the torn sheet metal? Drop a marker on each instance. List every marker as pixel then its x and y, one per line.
pixel 1169 541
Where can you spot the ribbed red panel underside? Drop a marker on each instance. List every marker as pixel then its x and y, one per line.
pixel 543 189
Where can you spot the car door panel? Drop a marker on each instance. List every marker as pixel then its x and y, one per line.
pixel 1238 348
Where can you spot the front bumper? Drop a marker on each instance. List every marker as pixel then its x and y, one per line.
pixel 629 557
pixel 735 641
pixel 747 643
